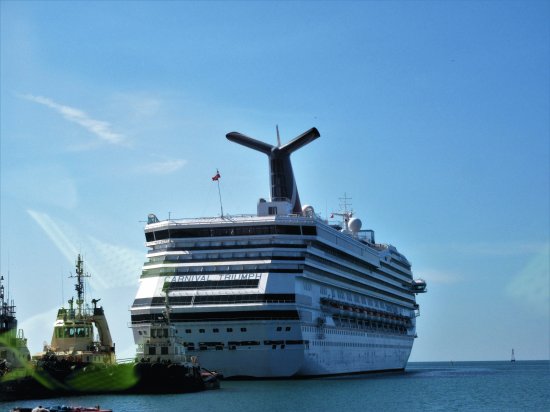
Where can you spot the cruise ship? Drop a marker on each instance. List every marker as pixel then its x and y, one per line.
pixel 282 293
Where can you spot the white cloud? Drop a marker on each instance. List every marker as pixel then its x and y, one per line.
pixel 110 265
pixel 163 167
pixel 437 276
pixel 38 328
pixel 138 106
pixel 58 235
pixel 44 184
pixel 532 285
pixel 504 248
pixel 99 128
pixel 116 265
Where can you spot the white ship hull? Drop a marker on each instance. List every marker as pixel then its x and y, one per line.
pixel 337 354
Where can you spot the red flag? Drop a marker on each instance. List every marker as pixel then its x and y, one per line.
pixel 217 176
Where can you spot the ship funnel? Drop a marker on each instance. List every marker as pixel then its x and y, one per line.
pixel 283 184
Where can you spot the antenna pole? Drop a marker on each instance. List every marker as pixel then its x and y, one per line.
pixel 79 286
pixel 216 178
pixel 278 137
pixel 220 196
pixel 166 290
pixel 62 290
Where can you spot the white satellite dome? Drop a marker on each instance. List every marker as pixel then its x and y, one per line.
pixel 307 210
pixel 355 224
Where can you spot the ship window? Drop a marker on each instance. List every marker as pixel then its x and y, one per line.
pixel 279 328
pixel 164 350
pixel 287 328
pixel 201 330
pixel 187 330
pixel 215 330
pixel 309 230
pixel 230 329
pixel 152 350
pixel 229 231
pixel 243 329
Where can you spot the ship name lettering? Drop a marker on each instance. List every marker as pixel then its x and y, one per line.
pixel 204 278
pixel 240 276
pixel 190 278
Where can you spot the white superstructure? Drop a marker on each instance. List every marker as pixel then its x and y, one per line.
pixel 282 293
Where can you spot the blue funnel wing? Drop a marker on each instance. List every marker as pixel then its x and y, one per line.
pixel 302 140
pixel 283 184
pixel 249 142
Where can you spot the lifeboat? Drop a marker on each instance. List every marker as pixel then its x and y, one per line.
pixel 419 286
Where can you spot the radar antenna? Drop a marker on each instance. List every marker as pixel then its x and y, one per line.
pixel 345 213
pixel 79 285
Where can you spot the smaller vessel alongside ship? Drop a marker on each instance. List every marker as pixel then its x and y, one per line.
pixel 76 362
pixel 72 344
pixel 14 353
pixel 162 365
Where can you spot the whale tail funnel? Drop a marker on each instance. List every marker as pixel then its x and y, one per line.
pixel 283 184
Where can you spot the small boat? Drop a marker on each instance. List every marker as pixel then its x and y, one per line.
pixel 14 354
pixel 61 408
pixel 162 365
pixel 13 344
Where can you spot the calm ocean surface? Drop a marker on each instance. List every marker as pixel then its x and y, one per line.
pixel 427 386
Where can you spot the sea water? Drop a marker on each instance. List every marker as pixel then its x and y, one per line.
pixel 433 386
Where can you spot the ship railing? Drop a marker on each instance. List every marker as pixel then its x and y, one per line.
pixel 247 315
pixel 125 360
pixel 234 301
pixel 242 219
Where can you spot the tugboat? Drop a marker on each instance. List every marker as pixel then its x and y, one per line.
pixel 73 350
pixel 75 363
pixel 162 365
pixel 14 354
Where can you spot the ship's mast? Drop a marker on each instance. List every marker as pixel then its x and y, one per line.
pixel 345 213
pixel 166 290
pixel 7 311
pixel 79 285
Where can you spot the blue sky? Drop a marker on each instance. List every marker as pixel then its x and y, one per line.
pixel 434 119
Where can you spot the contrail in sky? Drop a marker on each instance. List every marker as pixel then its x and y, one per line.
pixel 98 127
